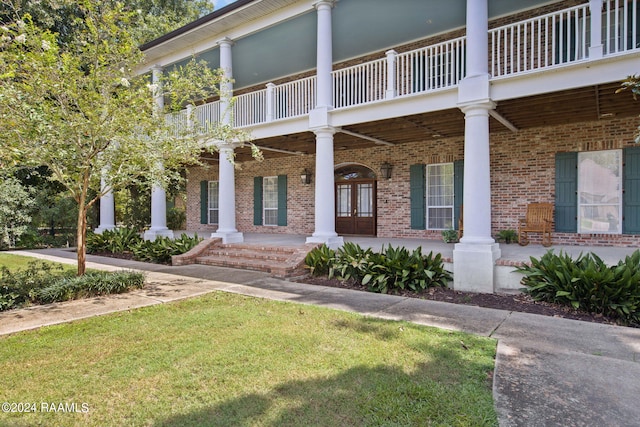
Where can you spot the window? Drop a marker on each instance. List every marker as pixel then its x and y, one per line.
pixel 213 214
pixel 435 193
pixel 440 196
pixel 600 192
pixel 270 200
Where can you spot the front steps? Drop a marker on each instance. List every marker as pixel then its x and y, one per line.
pixel 279 261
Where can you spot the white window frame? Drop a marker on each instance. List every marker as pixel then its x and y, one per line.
pixel 213 209
pixel 447 206
pixel 603 226
pixel 270 201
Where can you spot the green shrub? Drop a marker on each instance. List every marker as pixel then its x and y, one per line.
pixel 397 268
pixel 351 261
pixel 392 268
pixel 320 260
pixel 88 285
pixel 118 240
pixel 507 236
pixel 449 236
pixel 587 283
pixel 176 219
pixel 17 288
pixel 43 283
pixel 161 249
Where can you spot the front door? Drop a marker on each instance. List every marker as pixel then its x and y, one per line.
pixel 356 207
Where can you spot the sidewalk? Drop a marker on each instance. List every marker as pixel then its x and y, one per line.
pixel 549 371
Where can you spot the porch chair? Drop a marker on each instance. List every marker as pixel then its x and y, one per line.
pixel 538 220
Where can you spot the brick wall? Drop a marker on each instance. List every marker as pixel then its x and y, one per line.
pixel 522 164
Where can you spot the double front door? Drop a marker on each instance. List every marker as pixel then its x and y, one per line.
pixel 356 207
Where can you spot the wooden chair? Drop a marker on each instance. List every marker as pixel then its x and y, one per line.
pixel 538 220
pixel 460 224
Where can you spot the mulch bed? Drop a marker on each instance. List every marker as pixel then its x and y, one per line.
pixel 511 302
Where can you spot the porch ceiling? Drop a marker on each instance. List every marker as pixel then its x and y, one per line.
pixel 571 106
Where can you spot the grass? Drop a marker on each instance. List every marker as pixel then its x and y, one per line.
pixel 19 262
pixel 230 360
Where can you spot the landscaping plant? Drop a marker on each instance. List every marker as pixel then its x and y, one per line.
pixel 42 283
pixel 384 271
pixel 587 284
pixel 124 240
pixel 507 236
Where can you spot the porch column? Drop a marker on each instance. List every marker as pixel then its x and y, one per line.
pixel 227 197
pixel 226 170
pixel 596 49
pixel 474 257
pixel 320 124
pixel 158 195
pixel 325 205
pixel 107 210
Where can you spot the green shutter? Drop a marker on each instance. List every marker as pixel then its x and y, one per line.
pixel 417 194
pixel 631 194
pixel 458 190
pixel 566 209
pixel 257 200
pixel 204 202
pixel 282 200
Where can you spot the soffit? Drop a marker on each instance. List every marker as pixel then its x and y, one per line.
pixel 590 103
pixel 282 33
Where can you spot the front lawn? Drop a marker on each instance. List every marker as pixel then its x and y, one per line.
pixel 230 360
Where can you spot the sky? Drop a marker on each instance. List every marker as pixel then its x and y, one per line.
pixel 222 3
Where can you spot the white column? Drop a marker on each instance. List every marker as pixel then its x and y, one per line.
pixel 596 48
pixel 227 197
pixel 325 209
pixel 391 74
pixel 226 174
pixel 158 195
pixel 324 57
pixel 107 210
pixel 474 257
pixel 271 102
pixel 320 124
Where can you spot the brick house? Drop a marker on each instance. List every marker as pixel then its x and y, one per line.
pixel 385 118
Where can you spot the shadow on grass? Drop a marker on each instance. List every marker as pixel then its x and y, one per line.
pixel 447 389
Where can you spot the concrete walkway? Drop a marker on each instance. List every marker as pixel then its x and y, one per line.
pixel 549 371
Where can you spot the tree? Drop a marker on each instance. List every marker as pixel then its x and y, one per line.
pixel 79 108
pixel 14 211
pixel 632 83
pixel 155 17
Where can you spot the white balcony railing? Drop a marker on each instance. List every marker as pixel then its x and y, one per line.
pixel 360 84
pixel 433 67
pixel 552 40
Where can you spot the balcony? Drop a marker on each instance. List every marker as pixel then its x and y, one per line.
pixel 546 42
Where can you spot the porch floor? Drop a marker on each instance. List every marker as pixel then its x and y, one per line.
pixel 512 254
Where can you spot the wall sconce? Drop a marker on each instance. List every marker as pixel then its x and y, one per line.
pixel 305 176
pixel 385 170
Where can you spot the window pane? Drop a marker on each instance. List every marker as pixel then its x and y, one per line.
pixel 344 200
pixel 440 196
pixel 600 191
pixel 440 218
pixel 270 200
pixel 365 200
pixel 213 202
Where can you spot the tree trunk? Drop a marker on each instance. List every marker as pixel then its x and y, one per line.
pixel 82 239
